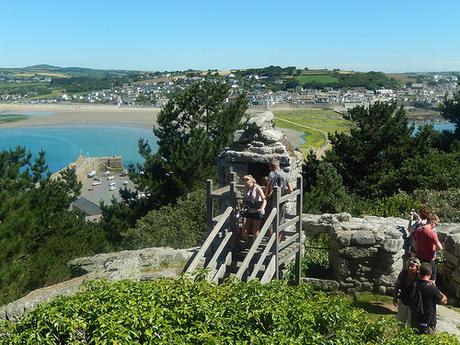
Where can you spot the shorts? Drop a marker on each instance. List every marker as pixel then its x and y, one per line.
pixel 253 215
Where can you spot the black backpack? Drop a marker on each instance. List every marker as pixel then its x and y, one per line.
pixel 416 302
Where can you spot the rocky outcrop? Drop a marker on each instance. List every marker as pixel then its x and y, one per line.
pixel 133 264
pixel 143 264
pixel 14 310
pixel 258 144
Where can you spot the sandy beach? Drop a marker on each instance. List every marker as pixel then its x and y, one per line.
pixel 68 114
pixel 77 114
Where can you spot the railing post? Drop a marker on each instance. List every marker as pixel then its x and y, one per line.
pixel 209 206
pixel 298 256
pixel 276 197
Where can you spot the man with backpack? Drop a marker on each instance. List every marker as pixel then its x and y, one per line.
pixel 425 296
pixel 277 177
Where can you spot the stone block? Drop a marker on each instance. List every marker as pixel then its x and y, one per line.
pixel 271 136
pixel 392 245
pixel 358 253
pixel 363 239
pixel 322 284
pixel 451 258
pixel 456 276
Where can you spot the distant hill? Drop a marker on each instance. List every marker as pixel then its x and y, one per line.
pixel 40 67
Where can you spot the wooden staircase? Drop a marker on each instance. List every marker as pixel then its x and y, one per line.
pixel 222 254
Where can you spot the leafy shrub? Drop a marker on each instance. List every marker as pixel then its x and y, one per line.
pixel 186 312
pixel 445 203
pixel 397 205
pixel 178 226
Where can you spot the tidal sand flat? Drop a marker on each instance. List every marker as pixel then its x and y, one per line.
pixel 66 131
pixel 59 114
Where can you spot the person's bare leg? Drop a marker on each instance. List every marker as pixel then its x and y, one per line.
pixel 244 230
pixel 256 228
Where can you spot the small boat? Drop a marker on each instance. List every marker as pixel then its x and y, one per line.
pixel 125 182
pixel 96 183
pixel 92 173
pixel 124 172
pixel 112 183
pixel 107 173
pixel 112 188
pixel 110 177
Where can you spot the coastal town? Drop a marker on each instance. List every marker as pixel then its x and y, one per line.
pixel 263 89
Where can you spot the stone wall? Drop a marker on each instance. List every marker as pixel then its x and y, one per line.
pixel 451 267
pixel 366 254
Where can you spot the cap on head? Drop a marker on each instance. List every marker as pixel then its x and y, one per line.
pixel 414 261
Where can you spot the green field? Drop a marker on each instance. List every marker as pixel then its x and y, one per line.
pixel 316 78
pixel 314 123
pixel 54 93
pixel 20 85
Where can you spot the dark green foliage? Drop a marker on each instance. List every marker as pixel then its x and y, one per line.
pixel 368 157
pixel 179 226
pixel 186 312
pixel 192 129
pixel 396 205
pixel 38 233
pixel 434 170
pixel 82 84
pixel 450 109
pixel 327 194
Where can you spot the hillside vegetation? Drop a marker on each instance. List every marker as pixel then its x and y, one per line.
pixel 186 312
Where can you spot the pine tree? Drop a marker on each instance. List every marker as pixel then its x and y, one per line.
pixel 192 129
pixel 375 148
pixel 326 194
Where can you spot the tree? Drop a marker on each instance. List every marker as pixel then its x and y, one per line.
pixel 368 157
pixel 327 193
pixel 192 129
pixel 450 109
pixel 38 232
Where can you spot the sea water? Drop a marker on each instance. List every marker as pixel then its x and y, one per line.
pixel 439 126
pixel 63 144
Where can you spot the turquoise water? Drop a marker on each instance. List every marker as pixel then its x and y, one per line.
pixel 63 144
pixel 439 126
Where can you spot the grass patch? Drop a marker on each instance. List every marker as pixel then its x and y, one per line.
pixel 54 93
pixel 316 78
pixel 374 305
pixel 314 123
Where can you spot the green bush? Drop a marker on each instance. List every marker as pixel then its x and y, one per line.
pixel 178 226
pixel 186 312
pixel 445 203
pixel 397 205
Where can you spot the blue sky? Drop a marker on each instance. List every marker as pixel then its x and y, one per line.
pixel 388 35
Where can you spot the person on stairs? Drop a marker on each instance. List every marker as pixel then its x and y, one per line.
pixel 254 203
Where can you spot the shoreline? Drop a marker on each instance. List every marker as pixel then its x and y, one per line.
pixel 76 114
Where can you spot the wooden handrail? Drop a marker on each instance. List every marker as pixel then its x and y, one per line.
pixel 209 240
pixel 256 244
pixel 286 197
pixel 262 257
pixel 219 250
pixel 288 223
pixel 288 241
